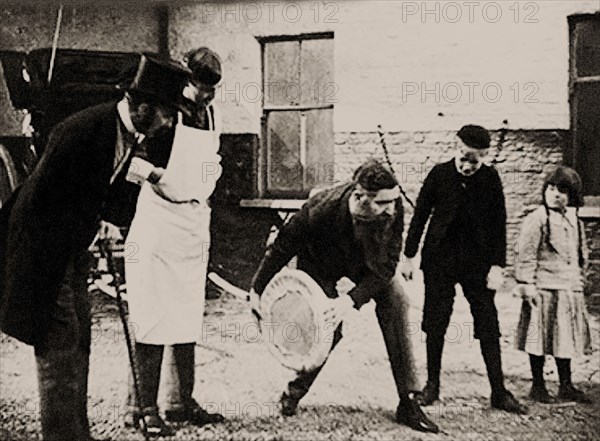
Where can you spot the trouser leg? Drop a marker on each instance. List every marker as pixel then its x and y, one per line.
pixel 437 310
pixel 62 358
pixel 181 373
pixel 490 349
pixel 392 314
pixel 58 396
pixel 148 359
pixel 82 361
pixel 435 347
pixel 300 385
pixel 487 329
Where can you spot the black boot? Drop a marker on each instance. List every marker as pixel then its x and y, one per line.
pixel 182 407
pixel 289 405
pixel 193 414
pixel 538 391
pixel 410 413
pixel 506 401
pixel 429 394
pixel 148 362
pixel 567 390
pixel 431 391
pixel 501 398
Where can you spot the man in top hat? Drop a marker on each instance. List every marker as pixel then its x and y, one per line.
pixel 465 243
pixel 166 283
pixel 48 225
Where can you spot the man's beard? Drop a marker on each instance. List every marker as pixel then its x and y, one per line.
pixel 366 228
pixel 374 235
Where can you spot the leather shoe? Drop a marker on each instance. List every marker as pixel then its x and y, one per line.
pixel 155 426
pixel 507 402
pixel 541 395
pixel 570 393
pixel 410 414
pixel 193 414
pixel 289 405
pixel 132 418
pixel 429 395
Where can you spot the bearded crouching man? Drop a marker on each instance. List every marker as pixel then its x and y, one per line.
pixel 465 243
pixel 353 230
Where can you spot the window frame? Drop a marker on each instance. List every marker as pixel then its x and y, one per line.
pixel 263 166
pixel 572 156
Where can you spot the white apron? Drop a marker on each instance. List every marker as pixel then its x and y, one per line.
pixel 167 273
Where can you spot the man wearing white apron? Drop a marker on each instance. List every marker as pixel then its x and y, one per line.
pixel 166 278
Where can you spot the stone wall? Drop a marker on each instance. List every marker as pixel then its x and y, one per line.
pixel 522 158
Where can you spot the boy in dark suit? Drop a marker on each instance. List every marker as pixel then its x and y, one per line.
pixel 465 243
pixel 48 225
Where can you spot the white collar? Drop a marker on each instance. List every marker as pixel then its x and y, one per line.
pixel 123 109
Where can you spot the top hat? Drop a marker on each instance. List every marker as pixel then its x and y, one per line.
pixel 205 65
pixel 161 80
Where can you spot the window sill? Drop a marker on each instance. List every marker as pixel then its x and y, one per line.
pixel 591 209
pixel 274 204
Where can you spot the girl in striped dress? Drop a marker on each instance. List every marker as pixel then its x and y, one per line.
pixel 549 270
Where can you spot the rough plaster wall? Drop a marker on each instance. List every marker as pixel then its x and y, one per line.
pixel 384 50
pixel 104 28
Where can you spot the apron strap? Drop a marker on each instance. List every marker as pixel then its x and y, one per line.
pixel 211 117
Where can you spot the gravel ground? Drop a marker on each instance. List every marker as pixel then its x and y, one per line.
pixel 354 397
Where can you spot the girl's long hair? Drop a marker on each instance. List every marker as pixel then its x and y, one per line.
pixel 567 181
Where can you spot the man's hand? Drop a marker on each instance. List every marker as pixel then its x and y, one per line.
pixel 495 278
pixel 139 171
pixel 407 268
pixel 108 231
pixel 527 292
pixel 338 309
pixel 158 187
pixel 156 175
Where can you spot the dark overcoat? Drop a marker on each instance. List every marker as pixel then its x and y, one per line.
pixel 54 215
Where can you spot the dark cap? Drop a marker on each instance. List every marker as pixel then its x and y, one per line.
pixel 162 80
pixel 474 136
pixel 205 66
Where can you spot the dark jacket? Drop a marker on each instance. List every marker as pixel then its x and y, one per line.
pixel 440 198
pixel 322 237
pixel 54 215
